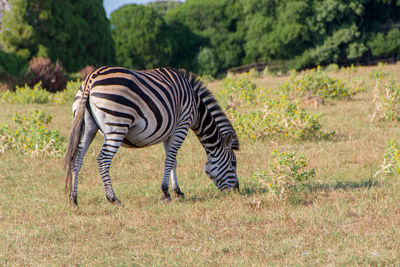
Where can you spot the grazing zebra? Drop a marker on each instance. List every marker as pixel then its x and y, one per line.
pixel 141 108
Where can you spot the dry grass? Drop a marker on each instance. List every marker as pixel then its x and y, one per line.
pixel 348 217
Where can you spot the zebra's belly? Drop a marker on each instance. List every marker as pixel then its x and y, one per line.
pixel 142 135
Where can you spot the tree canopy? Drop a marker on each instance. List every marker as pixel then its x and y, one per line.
pixel 205 36
pixel 76 32
pixel 140 36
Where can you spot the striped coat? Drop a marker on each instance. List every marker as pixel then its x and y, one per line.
pixel 141 108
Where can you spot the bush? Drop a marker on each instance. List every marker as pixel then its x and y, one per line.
pixel 86 71
pixel 391 160
pixel 32 136
pixel 206 62
pixel 51 76
pixel 287 173
pixel 317 83
pixel 267 72
pixel 279 118
pixel 26 95
pixel 38 95
pixel 67 95
pixel 387 101
pixel 332 67
pixel 240 90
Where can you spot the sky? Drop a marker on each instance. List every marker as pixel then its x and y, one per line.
pixel 111 5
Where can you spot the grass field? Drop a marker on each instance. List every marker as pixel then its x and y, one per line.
pixel 350 215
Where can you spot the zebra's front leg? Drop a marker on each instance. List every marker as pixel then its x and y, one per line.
pixel 171 146
pixel 104 159
pixel 174 182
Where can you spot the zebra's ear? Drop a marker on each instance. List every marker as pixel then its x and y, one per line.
pixel 228 140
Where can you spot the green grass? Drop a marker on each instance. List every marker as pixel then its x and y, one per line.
pixel 347 217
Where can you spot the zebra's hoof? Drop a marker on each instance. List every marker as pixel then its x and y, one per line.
pixel 114 200
pixel 73 199
pixel 165 198
pixel 179 193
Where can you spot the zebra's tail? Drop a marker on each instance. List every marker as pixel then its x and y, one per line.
pixel 76 134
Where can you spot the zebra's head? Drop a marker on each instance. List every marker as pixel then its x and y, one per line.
pixel 221 165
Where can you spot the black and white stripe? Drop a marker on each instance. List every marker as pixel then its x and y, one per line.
pixel 142 108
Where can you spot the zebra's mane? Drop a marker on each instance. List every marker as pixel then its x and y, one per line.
pixel 223 123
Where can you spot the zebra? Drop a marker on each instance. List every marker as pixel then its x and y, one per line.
pixel 137 109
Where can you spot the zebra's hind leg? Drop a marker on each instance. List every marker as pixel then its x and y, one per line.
pixel 89 132
pixel 110 147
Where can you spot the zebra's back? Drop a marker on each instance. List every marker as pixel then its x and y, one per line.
pixel 144 106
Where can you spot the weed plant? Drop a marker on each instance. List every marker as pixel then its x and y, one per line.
pixel 317 83
pixel 279 118
pixel 386 100
pixel 32 135
pixel 39 95
pixel 239 90
pixel 391 159
pixel 26 95
pixel 68 95
pixel 287 174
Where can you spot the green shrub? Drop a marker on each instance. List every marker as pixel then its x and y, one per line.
pixel 332 67
pixel 387 101
pixel 38 95
pixel 279 118
pixel 26 95
pixel 391 160
pixel 317 83
pixel 32 135
pixel 240 90
pixel 253 73
pixel 68 95
pixel 267 72
pixel 378 74
pixel 287 173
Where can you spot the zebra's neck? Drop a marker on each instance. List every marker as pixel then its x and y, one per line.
pixel 210 108
pixel 206 128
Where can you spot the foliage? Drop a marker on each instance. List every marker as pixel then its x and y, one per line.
pixel 384 44
pixel 332 67
pixel 163 6
pixel 84 72
pixel 50 76
pixel 206 62
pixel 76 33
pixel 279 118
pixel 218 24
pixel 386 100
pixel 26 95
pixel 378 74
pixel 267 72
pixel 11 64
pixel 38 95
pixel 239 90
pixel 32 135
pixel 140 36
pixel 391 160
pixel 286 173
pixel 68 94
pixel 317 83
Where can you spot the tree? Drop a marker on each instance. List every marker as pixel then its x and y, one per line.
pixel 218 25
pixel 163 6
pixel 141 37
pixel 75 32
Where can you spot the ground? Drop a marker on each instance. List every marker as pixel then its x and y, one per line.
pixel 350 215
